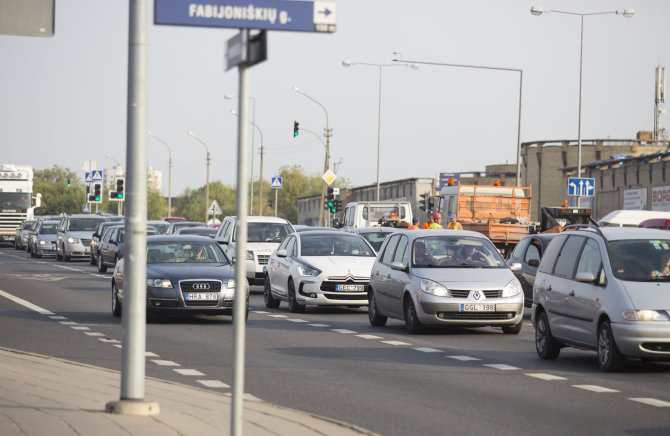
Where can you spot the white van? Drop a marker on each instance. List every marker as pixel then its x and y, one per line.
pixel 362 214
pixel 264 233
pixel 630 218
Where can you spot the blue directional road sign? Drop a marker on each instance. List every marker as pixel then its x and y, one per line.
pixel 276 182
pixel 581 187
pixel 306 16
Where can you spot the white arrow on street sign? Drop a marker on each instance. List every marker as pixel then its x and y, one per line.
pixel 214 208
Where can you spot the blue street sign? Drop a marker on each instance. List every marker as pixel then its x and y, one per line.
pixel 444 179
pixel 276 182
pixel 306 16
pixel 86 209
pixel 581 187
pixel 93 176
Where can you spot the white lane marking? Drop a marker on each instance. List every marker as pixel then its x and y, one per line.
pixel 463 358
pixel 319 325
pixel 296 320
pixel 68 322
pixel 57 317
pixel 150 354
pixel 260 311
pixel 395 343
pixel 342 331
pixel 118 345
pixel 501 366
pixel 245 396
pixel 165 363
pixel 651 402
pixel 109 341
pixel 188 372
pixel 369 336
pixel 543 376
pixel 279 316
pixel 213 384
pixel 25 303
pixel 428 350
pixel 594 388
pixel 79 327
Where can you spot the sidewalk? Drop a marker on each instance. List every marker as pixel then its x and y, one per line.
pixel 41 395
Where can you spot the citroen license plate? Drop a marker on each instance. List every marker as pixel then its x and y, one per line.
pixel 478 307
pixel 350 288
pixel 200 296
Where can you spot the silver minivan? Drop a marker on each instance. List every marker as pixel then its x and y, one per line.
pixel 444 277
pixel 604 289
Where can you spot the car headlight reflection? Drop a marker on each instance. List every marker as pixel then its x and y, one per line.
pixel 72 240
pixel 434 288
pixel 644 315
pixel 511 289
pixel 307 271
pixel 159 283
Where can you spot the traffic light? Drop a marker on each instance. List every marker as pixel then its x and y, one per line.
pixel 68 183
pixel 330 200
pixel 271 203
pixel 337 206
pixel 96 196
pixel 424 202
pixel 119 187
pixel 296 128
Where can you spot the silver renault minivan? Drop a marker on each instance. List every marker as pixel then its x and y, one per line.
pixel 604 289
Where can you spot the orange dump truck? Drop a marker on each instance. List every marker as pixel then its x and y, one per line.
pixel 502 213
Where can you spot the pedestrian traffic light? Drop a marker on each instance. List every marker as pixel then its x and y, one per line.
pixel 296 128
pixel 96 196
pixel 120 181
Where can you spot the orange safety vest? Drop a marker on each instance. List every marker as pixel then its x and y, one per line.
pixel 413 227
pixel 425 225
pixel 455 226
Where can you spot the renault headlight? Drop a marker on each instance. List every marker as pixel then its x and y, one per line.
pixel 434 288
pixel 645 315
pixel 307 271
pixel 159 283
pixel 71 240
pixel 511 289
pixel 43 242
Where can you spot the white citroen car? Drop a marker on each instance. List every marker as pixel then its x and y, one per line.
pixel 322 268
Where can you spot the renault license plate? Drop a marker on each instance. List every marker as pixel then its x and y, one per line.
pixel 350 288
pixel 478 307
pixel 200 296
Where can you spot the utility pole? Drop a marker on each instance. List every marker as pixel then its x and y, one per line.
pixel 260 185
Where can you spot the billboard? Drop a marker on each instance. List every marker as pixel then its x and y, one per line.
pixel 660 198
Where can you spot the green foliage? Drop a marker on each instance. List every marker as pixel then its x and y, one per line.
pixel 56 196
pixel 156 205
pixel 295 183
pixel 191 205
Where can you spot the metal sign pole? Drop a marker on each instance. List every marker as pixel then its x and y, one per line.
pixel 240 305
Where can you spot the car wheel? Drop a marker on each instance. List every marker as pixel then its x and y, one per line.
pixel 609 357
pixel 293 305
pixel 546 345
pixel 270 301
pixel 376 319
pixel 32 253
pixel 116 304
pixel 412 323
pixel 58 255
pixel 101 266
pixel 512 329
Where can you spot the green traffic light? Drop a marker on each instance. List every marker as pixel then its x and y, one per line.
pixel 119 195
pixel 333 209
pixel 97 198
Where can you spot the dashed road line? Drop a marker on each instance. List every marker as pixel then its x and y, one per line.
pixel 79 327
pixel 278 316
pixel 463 358
pixel 396 343
pixel 544 376
pixel 213 384
pixel 651 402
pixel 165 363
pixel 296 320
pixel 595 388
pixel 428 350
pixel 369 337
pixel 109 341
pixel 345 331
pixel 319 325
pixel 501 366
pixel 190 372
pixel 94 334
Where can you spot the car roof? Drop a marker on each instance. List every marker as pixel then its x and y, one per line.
pixel 179 238
pixel 378 229
pixel 544 236
pixel 623 233
pixel 264 219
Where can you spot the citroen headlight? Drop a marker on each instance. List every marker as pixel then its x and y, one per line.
pixel 434 288
pixel 645 315
pixel 71 240
pixel 512 288
pixel 307 271
pixel 43 242
pixel 159 283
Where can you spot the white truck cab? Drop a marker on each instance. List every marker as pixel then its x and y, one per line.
pixel 376 213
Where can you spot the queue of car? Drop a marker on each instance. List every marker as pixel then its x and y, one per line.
pixel 601 289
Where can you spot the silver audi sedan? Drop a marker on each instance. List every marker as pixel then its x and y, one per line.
pixel 319 267
pixel 444 277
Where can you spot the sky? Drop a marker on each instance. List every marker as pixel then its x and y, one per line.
pixel 63 99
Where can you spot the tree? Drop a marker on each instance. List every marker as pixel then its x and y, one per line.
pixel 191 205
pixel 295 183
pixel 57 198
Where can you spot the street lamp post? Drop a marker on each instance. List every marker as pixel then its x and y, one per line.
pixel 207 186
pixel 326 162
pixel 253 119
pixel 348 63
pixel 169 171
pixel 628 13
pixel 260 181
pixel 486 67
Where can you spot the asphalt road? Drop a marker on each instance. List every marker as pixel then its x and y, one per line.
pixel 331 362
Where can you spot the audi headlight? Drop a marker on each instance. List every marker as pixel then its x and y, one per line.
pixel 71 240
pixel 231 283
pixel 159 283
pixel 434 288
pixel 512 288
pixel 645 315
pixel 307 271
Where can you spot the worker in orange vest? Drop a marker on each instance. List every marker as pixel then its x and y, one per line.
pixel 427 224
pixel 453 223
pixel 415 224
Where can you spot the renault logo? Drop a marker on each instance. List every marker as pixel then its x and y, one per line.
pixel 476 295
pixel 200 286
